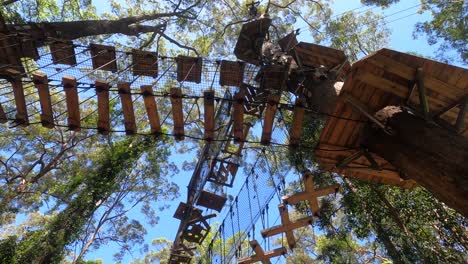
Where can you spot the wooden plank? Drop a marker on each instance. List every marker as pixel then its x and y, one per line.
pixel 73 105
pixel 407 72
pixel 283 209
pixel 382 83
pixel 296 128
pixel 208 102
pixel 21 117
pixel 189 69
pixel 151 109
pixel 282 228
pixel 177 114
pixel 3 117
pixel 272 105
pixel 63 52
pixel 145 63
pixel 42 85
pixel 103 57
pixel 238 115
pixel 260 255
pixel 127 108
pixel 102 92
pixel 288 42
pixel 231 73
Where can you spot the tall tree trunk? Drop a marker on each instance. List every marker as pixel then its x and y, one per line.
pixel 432 156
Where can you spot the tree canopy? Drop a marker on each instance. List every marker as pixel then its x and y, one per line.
pixel 78 191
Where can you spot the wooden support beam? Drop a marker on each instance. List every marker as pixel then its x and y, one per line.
pixel 356 104
pixel 296 127
pixel 422 93
pixel 460 122
pixel 283 209
pixel 289 227
pixel 208 102
pixel 42 85
pixel 21 117
pixel 3 117
pixel 102 92
pixel 272 105
pixel 127 108
pixel 310 194
pixel 151 109
pixel 238 115
pixel 177 114
pixel 73 105
pixel 261 255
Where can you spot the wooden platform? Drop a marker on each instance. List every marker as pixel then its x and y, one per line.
pixel 386 78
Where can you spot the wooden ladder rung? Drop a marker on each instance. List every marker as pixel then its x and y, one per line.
pixel 151 109
pixel 177 114
pixel 73 105
pixel 272 105
pixel 238 113
pixel 42 85
pixel 296 127
pixel 127 108
pixel 102 92
pixel 208 102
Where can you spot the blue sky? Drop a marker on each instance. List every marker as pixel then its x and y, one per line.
pixel 401 25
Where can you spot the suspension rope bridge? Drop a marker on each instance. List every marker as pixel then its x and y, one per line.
pixel 136 92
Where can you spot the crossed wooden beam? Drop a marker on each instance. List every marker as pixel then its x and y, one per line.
pixel 287 226
pixel 261 255
pixel 310 194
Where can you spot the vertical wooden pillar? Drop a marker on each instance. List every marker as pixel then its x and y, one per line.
pixel 296 127
pixel 21 117
pixel 208 102
pixel 41 84
pixel 73 106
pixel 3 118
pixel 102 92
pixel 270 112
pixel 151 109
pixel 177 114
pixel 127 108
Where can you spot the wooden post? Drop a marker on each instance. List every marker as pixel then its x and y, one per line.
pixel 208 101
pixel 177 114
pixel 102 92
pixel 127 108
pixel 283 209
pixel 41 83
pixel 151 109
pixel 21 117
pixel 270 112
pixel 73 105
pixel 296 127
pixel 261 255
pixel 3 118
pixel 310 194
pixel 238 115
pixel 286 227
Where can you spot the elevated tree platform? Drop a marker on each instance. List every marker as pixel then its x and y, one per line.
pixel 391 78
